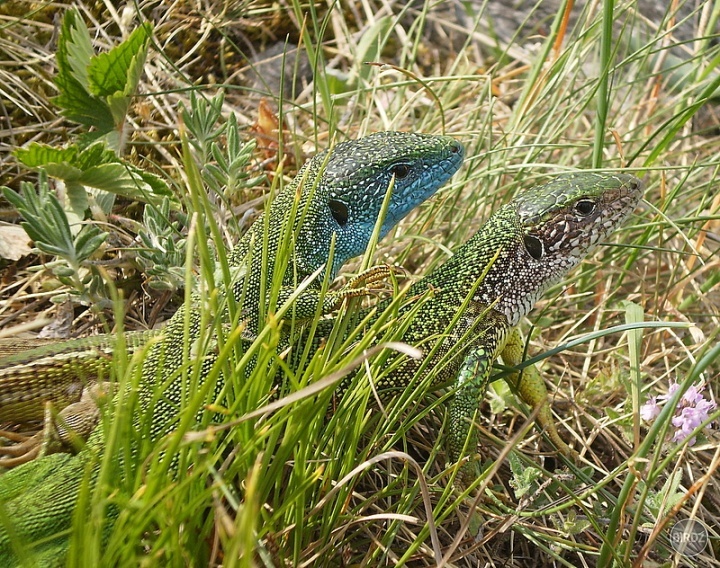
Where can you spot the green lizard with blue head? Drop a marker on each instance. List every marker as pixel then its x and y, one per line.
pixel 332 205
pixel 475 302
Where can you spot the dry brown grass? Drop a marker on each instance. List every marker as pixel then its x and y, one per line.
pixel 524 114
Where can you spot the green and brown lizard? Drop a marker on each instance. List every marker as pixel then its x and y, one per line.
pixel 325 217
pixel 472 305
pixel 475 300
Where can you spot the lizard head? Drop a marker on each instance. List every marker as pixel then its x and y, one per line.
pixel 564 219
pixel 353 179
pixel 559 223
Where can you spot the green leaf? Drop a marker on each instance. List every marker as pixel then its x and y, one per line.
pixel 82 108
pixel 104 200
pixel 118 70
pixel 47 224
pixel 74 48
pixel 45 221
pixel 524 478
pixel 63 171
pixel 96 167
pixel 88 241
pixel 36 155
pixel 126 180
pixel 73 56
pixel 118 104
pixel 659 503
pixel 95 155
pixel 119 179
pixel 77 197
pixel 156 183
pixel 85 79
pixel 571 524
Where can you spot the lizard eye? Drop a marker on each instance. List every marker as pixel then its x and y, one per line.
pixel 585 207
pixel 339 211
pixel 400 170
pixel 534 246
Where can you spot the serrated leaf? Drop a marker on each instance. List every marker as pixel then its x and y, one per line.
pixel 95 155
pixel 73 57
pixel 96 167
pixel 523 477
pixel 134 72
pixel 74 49
pixel 81 107
pixel 109 73
pixel 36 155
pixel 85 110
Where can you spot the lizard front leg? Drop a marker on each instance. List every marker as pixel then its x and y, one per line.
pixel 470 388
pixel 530 386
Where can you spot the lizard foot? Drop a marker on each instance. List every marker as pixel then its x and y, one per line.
pixel 360 284
pixel 24 448
pixel 63 431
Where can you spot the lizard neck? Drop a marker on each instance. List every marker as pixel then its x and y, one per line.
pixel 497 266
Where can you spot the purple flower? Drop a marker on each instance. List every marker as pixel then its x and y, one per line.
pixel 692 395
pixel 672 389
pixel 650 409
pixel 692 410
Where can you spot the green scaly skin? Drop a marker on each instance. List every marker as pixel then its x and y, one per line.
pixel 36 370
pixel 334 201
pixel 474 301
pixel 477 299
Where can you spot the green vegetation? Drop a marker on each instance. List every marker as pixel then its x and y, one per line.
pixel 286 482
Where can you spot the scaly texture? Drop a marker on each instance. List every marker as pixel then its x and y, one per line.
pixel 57 371
pixel 474 302
pixel 332 205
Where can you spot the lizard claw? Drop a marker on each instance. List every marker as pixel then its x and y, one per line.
pixel 370 276
pixel 25 449
pixel 62 431
pixel 360 284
